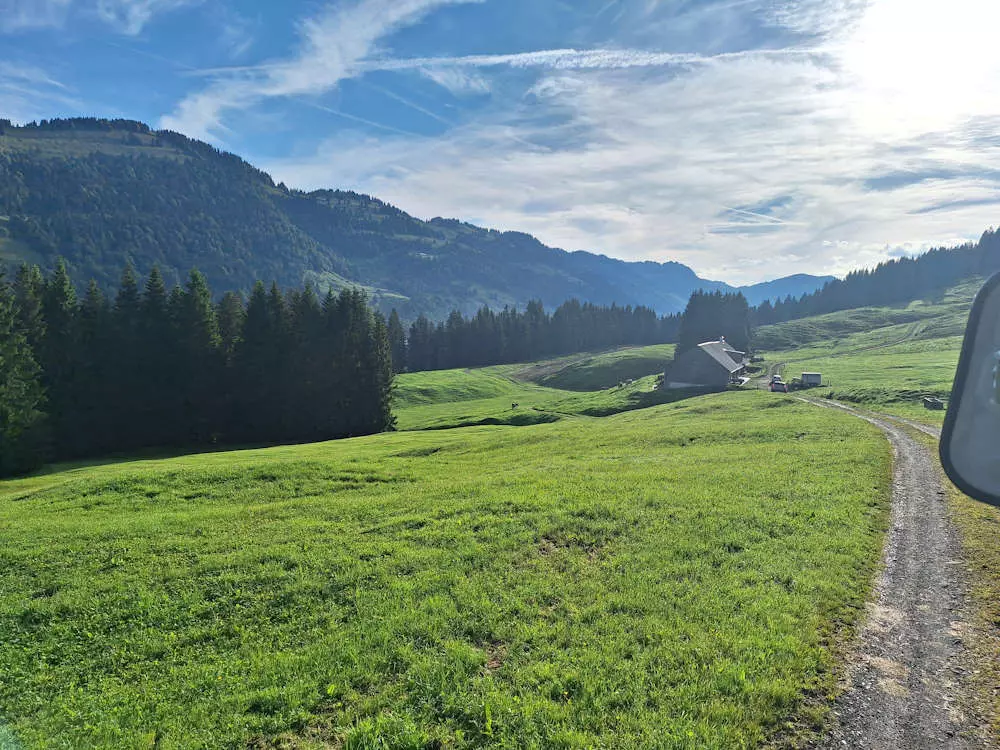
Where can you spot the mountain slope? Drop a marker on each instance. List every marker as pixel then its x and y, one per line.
pixel 102 193
pixel 782 288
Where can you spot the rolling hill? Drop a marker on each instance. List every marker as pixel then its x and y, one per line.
pixel 102 193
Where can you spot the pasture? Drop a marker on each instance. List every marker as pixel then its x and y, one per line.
pixel 869 357
pixel 588 387
pixel 676 576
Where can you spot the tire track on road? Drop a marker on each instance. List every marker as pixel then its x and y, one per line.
pixel 906 685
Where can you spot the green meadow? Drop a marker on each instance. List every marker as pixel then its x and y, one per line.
pixel 675 576
pixel 580 386
pixel 885 358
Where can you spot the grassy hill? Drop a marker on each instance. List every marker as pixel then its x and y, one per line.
pixel 581 385
pixel 887 358
pixel 668 577
pixel 103 193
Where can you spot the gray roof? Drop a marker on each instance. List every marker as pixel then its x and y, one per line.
pixel 719 351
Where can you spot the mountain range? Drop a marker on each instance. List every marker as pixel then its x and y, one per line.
pixel 103 193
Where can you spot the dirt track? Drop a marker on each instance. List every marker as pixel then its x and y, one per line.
pixel 906 685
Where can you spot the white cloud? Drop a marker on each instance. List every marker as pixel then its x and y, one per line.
pixel 331 49
pixel 29 93
pixel 571 59
pixel 131 16
pixel 19 15
pixel 127 16
pixel 457 81
pixel 845 143
pixel 659 161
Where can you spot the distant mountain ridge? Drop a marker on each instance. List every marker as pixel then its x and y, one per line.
pixel 101 193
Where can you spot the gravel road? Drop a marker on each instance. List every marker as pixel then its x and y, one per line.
pixel 906 685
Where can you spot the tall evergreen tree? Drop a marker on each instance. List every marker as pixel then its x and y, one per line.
pixel 397 342
pixel 29 285
pixel 94 362
pixel 58 355
pixel 230 313
pixel 712 315
pixel 199 360
pixel 22 421
pixel 258 364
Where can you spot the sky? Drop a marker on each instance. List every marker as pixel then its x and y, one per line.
pixel 748 139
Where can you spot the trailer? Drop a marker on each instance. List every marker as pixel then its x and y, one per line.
pixel 812 380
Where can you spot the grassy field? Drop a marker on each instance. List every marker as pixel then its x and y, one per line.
pixel 610 368
pixel 869 357
pixel 544 391
pixel 672 577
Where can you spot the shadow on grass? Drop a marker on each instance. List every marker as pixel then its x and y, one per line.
pixel 647 399
pixel 519 419
pixel 151 454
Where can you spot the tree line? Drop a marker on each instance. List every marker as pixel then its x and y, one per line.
pixel 511 335
pixel 711 315
pixel 153 367
pixel 892 282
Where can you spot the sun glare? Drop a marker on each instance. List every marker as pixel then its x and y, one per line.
pixel 923 65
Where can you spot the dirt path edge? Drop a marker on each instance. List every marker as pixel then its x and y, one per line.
pixel 906 683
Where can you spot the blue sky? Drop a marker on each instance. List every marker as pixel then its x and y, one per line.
pixel 747 138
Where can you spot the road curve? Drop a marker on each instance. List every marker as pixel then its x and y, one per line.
pixel 906 685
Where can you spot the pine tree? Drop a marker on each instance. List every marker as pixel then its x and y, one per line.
pixel 199 361
pixel 92 373
pixel 256 373
pixel 303 370
pixel 29 285
pixel 23 442
pixel 397 342
pixel 57 355
pixel 230 313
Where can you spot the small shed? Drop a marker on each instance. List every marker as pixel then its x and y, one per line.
pixel 812 379
pixel 713 363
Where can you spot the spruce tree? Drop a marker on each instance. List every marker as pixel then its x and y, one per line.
pixel 397 342
pixel 29 285
pixel 57 354
pixel 255 365
pixel 23 442
pixel 94 361
pixel 230 313
pixel 199 361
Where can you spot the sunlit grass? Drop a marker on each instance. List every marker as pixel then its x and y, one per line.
pixel 670 577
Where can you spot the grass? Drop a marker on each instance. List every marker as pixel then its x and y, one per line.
pixel 462 398
pixel 609 369
pixel 944 315
pixel 673 577
pixel 890 366
pixel 978 525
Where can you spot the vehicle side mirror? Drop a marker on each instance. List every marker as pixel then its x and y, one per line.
pixel 970 442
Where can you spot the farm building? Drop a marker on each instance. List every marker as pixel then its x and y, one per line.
pixel 714 363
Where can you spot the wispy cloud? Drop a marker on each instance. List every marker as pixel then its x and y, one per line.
pixel 459 82
pixel 331 49
pixel 126 16
pixel 685 165
pixel 131 16
pixel 20 15
pixel 30 93
pixel 572 59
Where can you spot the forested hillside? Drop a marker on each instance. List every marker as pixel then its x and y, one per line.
pixel 894 282
pixel 105 193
